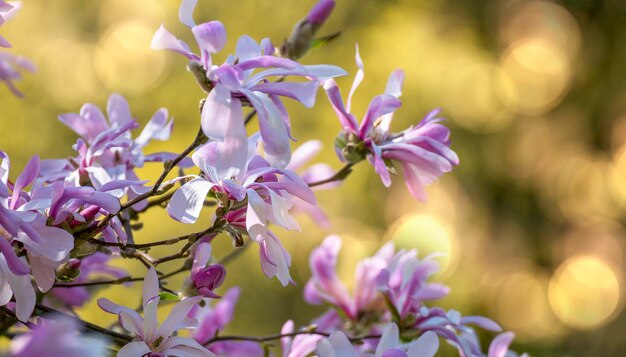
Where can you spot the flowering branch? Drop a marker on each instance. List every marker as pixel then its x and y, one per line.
pixel 170 241
pixel 168 166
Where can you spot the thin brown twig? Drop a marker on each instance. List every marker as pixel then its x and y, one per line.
pixel 122 280
pixel 338 176
pixel 262 339
pixel 199 140
pixel 124 339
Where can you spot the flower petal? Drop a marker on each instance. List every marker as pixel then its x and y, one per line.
pixel 187 201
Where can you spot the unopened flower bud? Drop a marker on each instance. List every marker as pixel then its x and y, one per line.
pixel 208 279
pixel 69 271
pixel 320 12
pixel 303 33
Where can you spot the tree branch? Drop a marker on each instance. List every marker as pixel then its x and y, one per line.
pixel 262 339
pixel 338 176
pixel 199 140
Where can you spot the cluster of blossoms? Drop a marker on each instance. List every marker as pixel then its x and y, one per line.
pixel 10 64
pixel 62 221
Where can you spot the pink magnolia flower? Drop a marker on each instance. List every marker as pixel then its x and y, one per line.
pixel 154 339
pixel 405 282
pixel 234 176
pixel 325 286
pixel 235 82
pixel 455 328
pixel 57 336
pixel 11 66
pixel 106 151
pixel 423 151
pixel 338 345
pixel 45 247
pixel 214 318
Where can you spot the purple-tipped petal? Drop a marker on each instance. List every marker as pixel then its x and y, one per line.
pixel 211 36
pixel 165 40
pixel 334 95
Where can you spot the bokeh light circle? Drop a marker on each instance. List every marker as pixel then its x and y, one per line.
pixel 123 58
pixel 585 292
pixel 428 235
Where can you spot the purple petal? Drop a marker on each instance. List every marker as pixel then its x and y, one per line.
pixel 211 36
pixel 24 179
pixel 425 346
pixel 14 264
pixel 187 201
pixel 334 95
pixel 150 286
pixel 379 106
pixel 360 74
pixel 273 129
pixel 164 40
pixel 482 322
pixel 394 83
pixel 500 345
pixel 247 48
pixel 217 106
pixel 118 110
pixel 158 128
pixel 177 316
pixel 303 154
pixel 185 12
pixel 303 92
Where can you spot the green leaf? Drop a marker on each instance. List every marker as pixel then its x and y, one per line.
pixel 322 41
pixel 165 296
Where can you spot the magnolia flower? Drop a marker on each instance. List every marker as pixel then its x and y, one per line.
pixel 455 328
pixel 423 151
pixel 57 337
pixel 11 66
pixel 213 319
pixel 45 247
pixel 235 178
pixel 405 282
pixel 106 151
pixel 325 286
pixel 154 339
pixel 338 345
pixel 235 82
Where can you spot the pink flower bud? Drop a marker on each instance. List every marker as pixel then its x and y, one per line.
pixel 321 11
pixel 208 279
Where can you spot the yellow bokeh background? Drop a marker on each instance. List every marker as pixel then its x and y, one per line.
pixel 531 223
